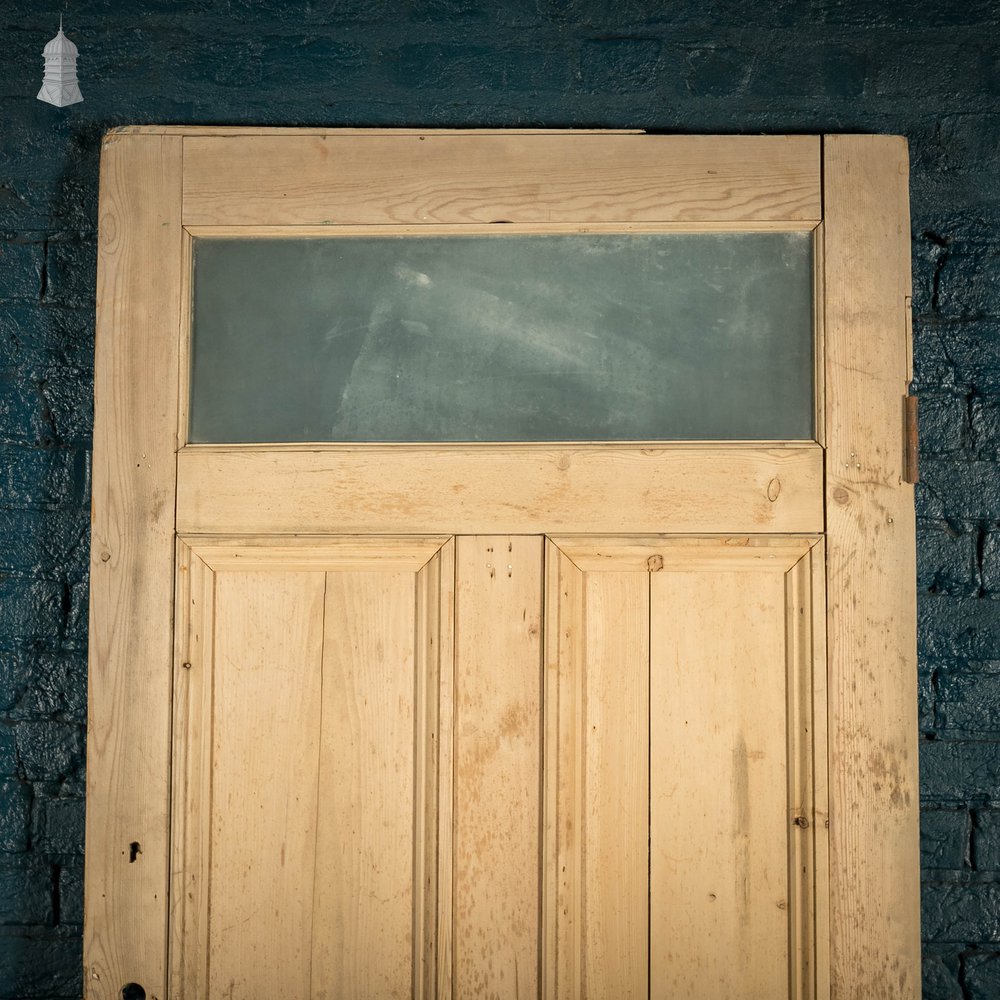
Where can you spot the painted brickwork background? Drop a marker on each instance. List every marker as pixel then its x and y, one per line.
pixel 928 71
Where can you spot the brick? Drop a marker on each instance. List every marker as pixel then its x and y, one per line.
pixel 40 966
pixel 8 750
pixel 21 408
pixel 946 559
pixel 965 628
pixel 959 771
pixel 969 284
pixel 986 840
pixel 967 141
pixel 30 607
pixel 36 336
pixel 58 826
pixel 75 635
pixel 944 422
pixel 478 67
pixel 932 68
pixel 991 562
pixel 968 701
pixel 958 490
pixel 907 13
pixel 940 970
pixel 49 749
pixel 44 685
pixel 45 479
pixel 957 354
pixel 835 71
pixel 20 269
pixel 620 65
pixel 985 426
pixel 15 815
pixel 310 61
pixel 982 975
pixel 16 672
pixel 71 894
pixel 67 411
pixel 25 891
pixel 926 720
pixel 716 71
pixel 24 201
pixel 70 273
pixel 960 912
pixel 45 543
pixel 944 838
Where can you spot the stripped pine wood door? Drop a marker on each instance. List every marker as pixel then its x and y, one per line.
pixel 452 719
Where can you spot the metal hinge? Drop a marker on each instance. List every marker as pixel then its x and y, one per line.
pixel 911 466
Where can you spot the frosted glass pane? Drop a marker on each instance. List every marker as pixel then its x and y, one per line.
pixel 605 337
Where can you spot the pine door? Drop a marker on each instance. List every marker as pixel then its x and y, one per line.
pixel 584 695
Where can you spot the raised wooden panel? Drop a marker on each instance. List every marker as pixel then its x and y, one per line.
pixel 497 758
pixel 131 568
pixel 615 868
pixel 684 817
pixel 363 891
pixel 394 179
pixel 267 677
pixel 871 578
pixel 719 826
pixel 306 716
pixel 489 489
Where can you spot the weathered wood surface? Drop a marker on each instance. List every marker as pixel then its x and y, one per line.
pixel 874 846
pixel 484 490
pixel 394 179
pixel 131 570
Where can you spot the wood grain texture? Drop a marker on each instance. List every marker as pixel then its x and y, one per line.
pixel 306 767
pixel 494 177
pixel 435 665
pixel 719 811
pixel 564 789
pixel 363 898
pixel 705 554
pixel 497 760
pixel 131 571
pixel 265 745
pixel 191 772
pixel 475 490
pixel 314 552
pixel 874 860
pixel 616 916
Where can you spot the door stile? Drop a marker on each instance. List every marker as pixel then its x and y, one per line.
pixel 871 574
pixel 191 777
pixel 131 567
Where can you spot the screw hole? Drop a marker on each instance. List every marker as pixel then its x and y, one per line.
pixel 133 991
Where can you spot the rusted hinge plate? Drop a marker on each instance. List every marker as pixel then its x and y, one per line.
pixel 911 465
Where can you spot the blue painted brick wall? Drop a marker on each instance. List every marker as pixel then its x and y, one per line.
pixel 928 71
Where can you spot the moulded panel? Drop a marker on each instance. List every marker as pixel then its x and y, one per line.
pixel 305 784
pixel 681 806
